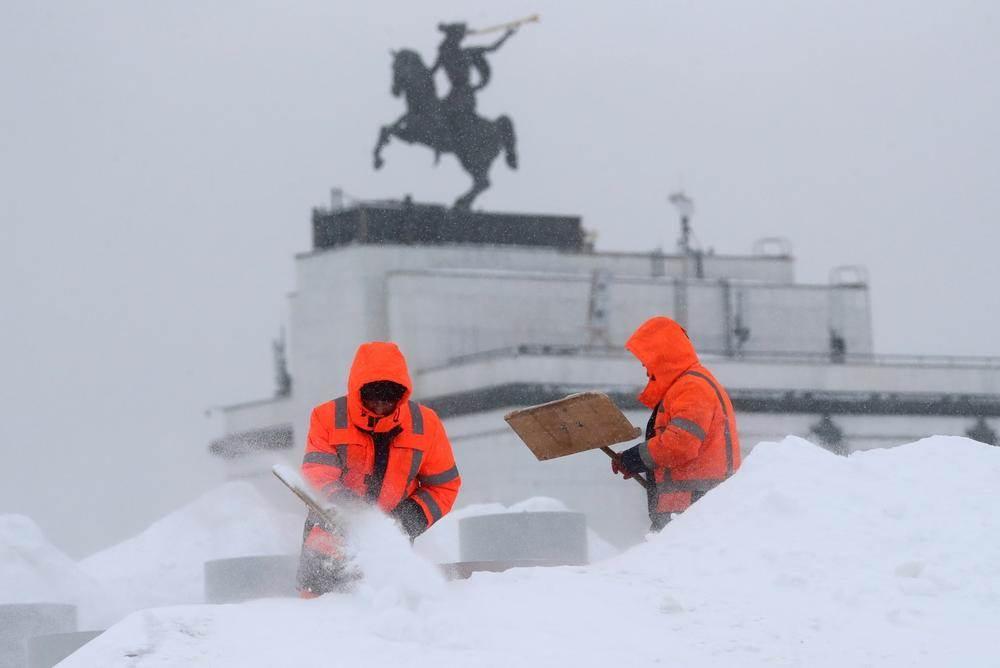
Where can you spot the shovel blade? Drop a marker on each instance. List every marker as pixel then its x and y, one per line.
pixel 579 422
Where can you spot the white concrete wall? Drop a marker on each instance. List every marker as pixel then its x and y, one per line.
pixel 623 371
pixel 259 414
pixel 440 314
pixel 799 318
pixel 770 269
pixel 860 376
pixel 342 299
pixel 331 313
pixel 356 293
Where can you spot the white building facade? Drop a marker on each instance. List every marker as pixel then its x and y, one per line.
pixel 508 320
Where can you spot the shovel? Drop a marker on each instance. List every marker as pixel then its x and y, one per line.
pixel 579 422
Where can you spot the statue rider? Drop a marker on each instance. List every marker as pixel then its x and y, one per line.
pixel 451 124
pixel 460 104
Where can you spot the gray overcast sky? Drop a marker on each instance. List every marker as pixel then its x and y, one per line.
pixel 158 162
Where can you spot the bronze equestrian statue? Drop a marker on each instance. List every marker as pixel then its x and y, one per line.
pixel 451 124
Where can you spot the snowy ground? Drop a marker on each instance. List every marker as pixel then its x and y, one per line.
pixel 886 558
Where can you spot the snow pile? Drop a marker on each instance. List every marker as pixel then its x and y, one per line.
pixel 164 565
pixel 396 579
pixel 888 558
pixel 440 543
pixel 32 570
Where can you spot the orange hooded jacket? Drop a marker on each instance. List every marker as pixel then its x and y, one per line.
pixel 691 440
pixel 347 445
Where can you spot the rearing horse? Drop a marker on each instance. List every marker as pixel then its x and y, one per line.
pixel 475 141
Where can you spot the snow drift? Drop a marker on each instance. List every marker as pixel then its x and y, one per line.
pixel 164 565
pixel 888 558
pixel 32 570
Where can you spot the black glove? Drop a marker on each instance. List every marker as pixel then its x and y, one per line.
pixel 411 517
pixel 629 463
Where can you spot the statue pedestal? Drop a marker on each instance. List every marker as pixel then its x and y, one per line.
pixel 408 223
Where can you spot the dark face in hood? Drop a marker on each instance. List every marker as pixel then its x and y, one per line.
pixel 373 362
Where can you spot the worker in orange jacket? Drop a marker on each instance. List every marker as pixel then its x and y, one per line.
pixel 377 446
pixel 691 441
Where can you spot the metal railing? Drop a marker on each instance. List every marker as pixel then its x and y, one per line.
pixel 857 359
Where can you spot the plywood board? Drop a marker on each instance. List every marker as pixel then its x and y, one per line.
pixel 579 422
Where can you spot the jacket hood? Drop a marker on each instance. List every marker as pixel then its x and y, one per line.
pixel 666 351
pixel 374 361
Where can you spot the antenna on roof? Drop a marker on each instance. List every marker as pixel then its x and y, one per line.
pixel 685 207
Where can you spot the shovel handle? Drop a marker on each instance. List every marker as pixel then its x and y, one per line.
pixel 637 477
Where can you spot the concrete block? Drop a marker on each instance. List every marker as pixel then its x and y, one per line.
pixel 21 621
pixel 245 578
pixel 549 537
pixel 48 650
